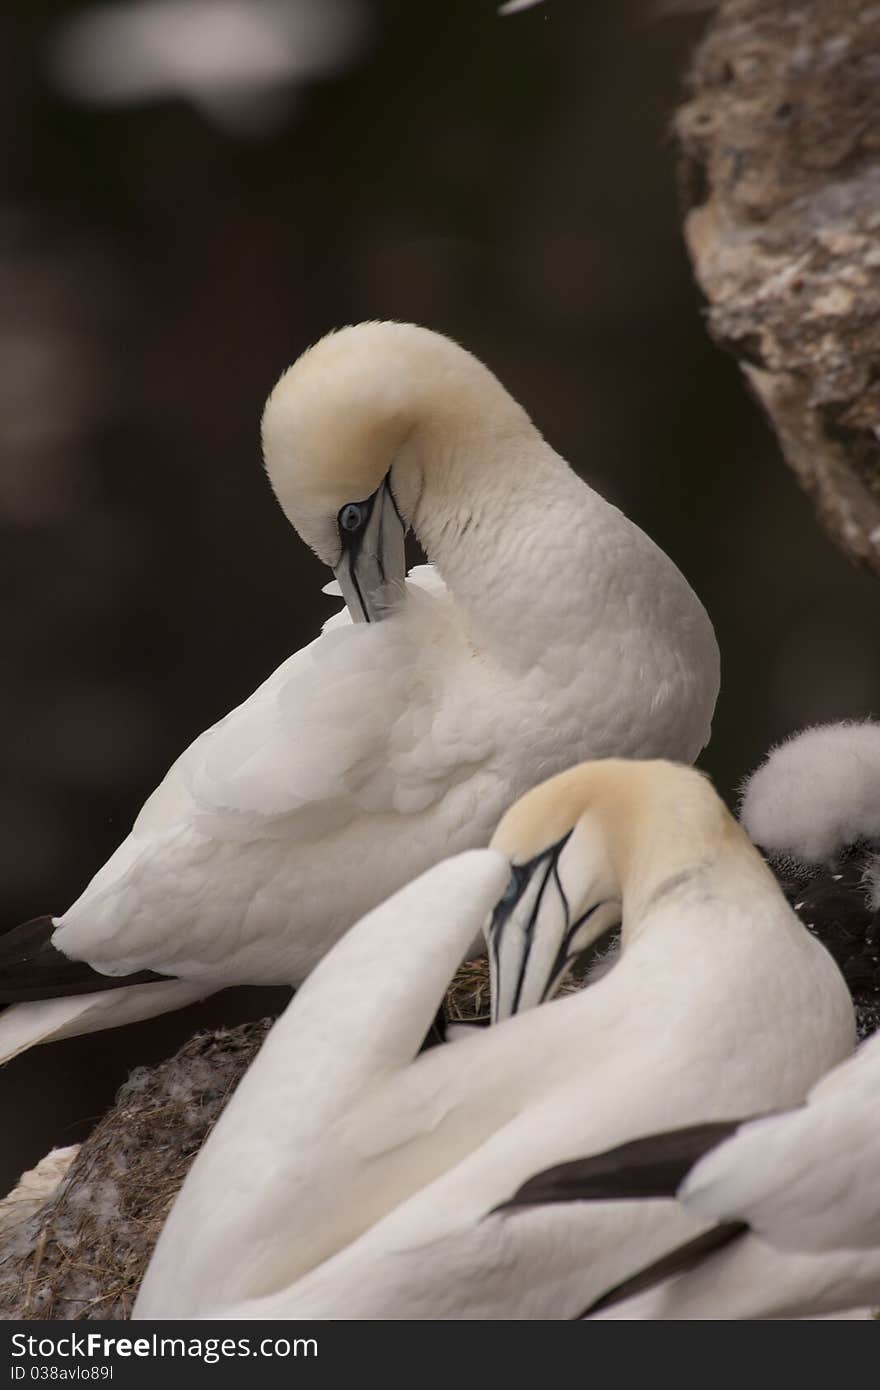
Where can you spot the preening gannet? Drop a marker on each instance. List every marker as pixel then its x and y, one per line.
pixel 796 1196
pixel 813 808
pixel 552 629
pixel 349 1178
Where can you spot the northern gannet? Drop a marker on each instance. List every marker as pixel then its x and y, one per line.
pixel 350 1178
pixel 552 629
pixel 813 808
pixel 795 1195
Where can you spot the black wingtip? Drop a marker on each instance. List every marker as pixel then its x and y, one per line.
pixel 677 1261
pixel 31 968
pixel 654 1166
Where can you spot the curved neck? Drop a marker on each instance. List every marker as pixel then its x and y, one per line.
pixel 667 850
pixel 507 523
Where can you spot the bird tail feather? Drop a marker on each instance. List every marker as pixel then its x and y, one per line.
pixel 32 968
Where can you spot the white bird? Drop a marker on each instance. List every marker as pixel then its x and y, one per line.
pixel 813 807
pixel 346 1179
pixel 553 629
pixel 797 1193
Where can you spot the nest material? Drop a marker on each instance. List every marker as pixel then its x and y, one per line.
pixel 82 1253
pixel 467 999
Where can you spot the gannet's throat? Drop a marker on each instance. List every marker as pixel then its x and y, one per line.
pixel 533 938
pixel 372 562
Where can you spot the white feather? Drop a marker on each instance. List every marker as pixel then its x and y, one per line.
pixel 805 1182
pixel 816 793
pixel 49 1020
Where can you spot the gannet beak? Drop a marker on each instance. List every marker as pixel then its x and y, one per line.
pixel 372 566
pixel 532 939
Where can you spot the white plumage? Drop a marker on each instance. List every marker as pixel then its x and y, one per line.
pixel 300 1161
pixel 806 1184
pixel 752 1280
pixel 551 630
pixel 346 1179
pixel 816 794
pixel 808 1179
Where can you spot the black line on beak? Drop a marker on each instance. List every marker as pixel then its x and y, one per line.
pixel 504 909
pixel 357 588
pixel 562 954
pixel 380 548
pixel 352 543
pixel 530 936
pixel 524 873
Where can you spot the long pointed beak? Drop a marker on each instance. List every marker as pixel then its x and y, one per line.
pixel 372 567
pixel 533 941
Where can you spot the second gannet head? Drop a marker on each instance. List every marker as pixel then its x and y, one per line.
pixel 597 845
pixel 361 439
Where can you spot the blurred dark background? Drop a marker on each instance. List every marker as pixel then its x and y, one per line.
pixel 193 191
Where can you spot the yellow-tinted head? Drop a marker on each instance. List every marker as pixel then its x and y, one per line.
pixel 578 845
pixel 341 417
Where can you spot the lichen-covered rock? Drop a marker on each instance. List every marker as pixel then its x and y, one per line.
pixel 780 144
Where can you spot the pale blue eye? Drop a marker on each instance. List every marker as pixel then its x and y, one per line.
pixel 352 516
pixel 514 885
